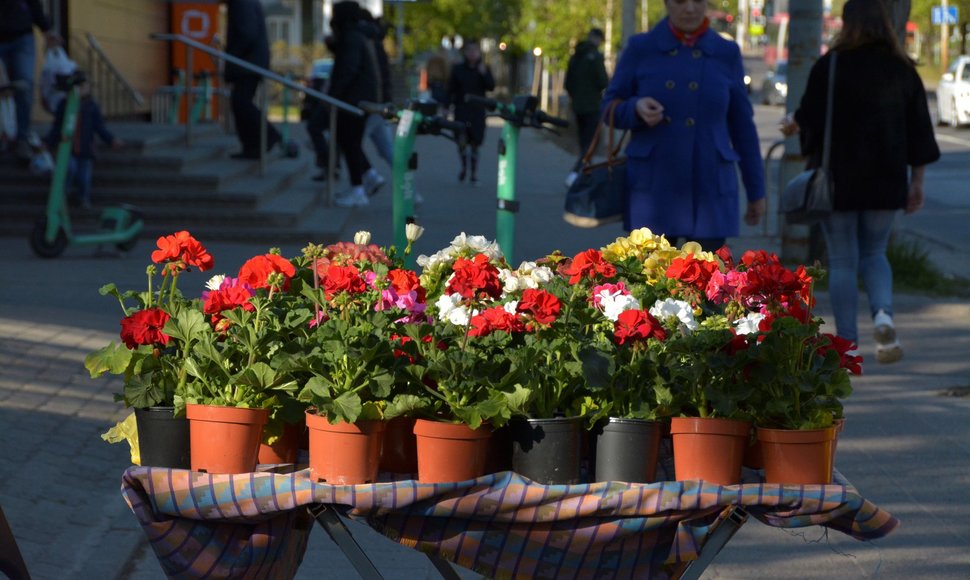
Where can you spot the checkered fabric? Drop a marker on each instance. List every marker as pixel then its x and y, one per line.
pixel 501 525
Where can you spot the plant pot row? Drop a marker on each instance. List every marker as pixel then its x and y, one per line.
pixel 548 451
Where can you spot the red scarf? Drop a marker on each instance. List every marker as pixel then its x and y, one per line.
pixel 690 38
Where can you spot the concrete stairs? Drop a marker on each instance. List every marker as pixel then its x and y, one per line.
pixel 197 188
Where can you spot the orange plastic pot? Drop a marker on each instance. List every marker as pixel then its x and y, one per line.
pixel 449 452
pixel 797 456
pixel 225 439
pixel 400 451
pixel 344 453
pixel 285 448
pixel 709 449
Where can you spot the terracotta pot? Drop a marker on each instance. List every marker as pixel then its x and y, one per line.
pixel 449 452
pixel 225 439
pixel 709 449
pixel 344 453
pixel 839 427
pixel 285 448
pixel 797 456
pixel 400 451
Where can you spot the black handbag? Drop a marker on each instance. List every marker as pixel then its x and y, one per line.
pixel 807 198
pixel 598 195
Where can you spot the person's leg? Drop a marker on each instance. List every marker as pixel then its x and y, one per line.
pixel 586 129
pixel 20 67
pixel 350 134
pixel 473 163
pixel 380 136
pixel 83 176
pixel 463 155
pixel 245 114
pixel 875 227
pixel 841 232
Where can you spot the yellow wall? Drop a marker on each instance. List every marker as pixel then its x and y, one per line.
pixel 122 27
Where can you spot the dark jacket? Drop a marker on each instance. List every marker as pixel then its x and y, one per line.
pixel 467 80
pixel 881 125
pixel 18 17
pixel 355 75
pixel 246 37
pixel 586 78
pixel 376 34
pixel 90 123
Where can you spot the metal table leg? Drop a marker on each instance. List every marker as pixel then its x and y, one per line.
pixel 327 517
pixel 717 539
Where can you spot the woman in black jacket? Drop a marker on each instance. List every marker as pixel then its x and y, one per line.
pixel 470 77
pixel 882 140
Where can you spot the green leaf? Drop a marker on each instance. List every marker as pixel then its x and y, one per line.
pixel 405 405
pixel 113 358
pixel 110 289
pixel 188 326
pixel 347 407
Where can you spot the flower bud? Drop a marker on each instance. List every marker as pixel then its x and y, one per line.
pixel 412 232
pixel 362 238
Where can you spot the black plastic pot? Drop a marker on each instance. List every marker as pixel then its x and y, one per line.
pixel 163 439
pixel 627 450
pixel 547 451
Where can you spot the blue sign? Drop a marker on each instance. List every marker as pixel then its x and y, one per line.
pixel 951 15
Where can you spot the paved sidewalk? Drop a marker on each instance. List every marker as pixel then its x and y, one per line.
pixel 905 446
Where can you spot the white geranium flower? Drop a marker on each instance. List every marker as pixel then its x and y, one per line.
pixel 451 309
pixel 215 282
pixel 749 323
pixel 511 282
pixel 614 304
pixel 362 238
pixel 412 232
pixel 668 307
pixel 511 306
pixel 460 316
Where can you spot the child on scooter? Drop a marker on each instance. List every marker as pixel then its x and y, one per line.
pixel 89 122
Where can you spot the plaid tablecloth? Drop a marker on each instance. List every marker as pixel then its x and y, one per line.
pixel 501 525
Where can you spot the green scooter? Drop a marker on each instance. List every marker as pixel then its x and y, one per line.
pixel 52 233
pixel 419 117
pixel 523 111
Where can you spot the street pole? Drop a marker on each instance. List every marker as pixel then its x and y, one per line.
pixel 742 29
pixel 629 21
pixel 944 39
pixel 608 49
pixel 804 46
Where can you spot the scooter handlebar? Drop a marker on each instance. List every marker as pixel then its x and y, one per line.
pixel 542 117
pixel 490 104
pixel 385 110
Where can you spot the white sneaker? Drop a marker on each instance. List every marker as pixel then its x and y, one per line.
pixel 373 182
pixel 353 198
pixel 571 178
pixel 888 349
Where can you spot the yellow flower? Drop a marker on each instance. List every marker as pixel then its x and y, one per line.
pixel 642 237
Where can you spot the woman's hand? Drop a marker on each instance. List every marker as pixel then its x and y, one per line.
pixel 756 210
pixel 788 125
pixel 651 111
pixel 916 196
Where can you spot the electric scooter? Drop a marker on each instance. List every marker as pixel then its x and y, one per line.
pixel 523 111
pixel 52 233
pixel 419 117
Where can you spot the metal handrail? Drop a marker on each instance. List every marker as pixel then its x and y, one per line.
pixel 95 47
pixel 267 74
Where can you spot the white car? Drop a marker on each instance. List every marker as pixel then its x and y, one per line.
pixel 953 94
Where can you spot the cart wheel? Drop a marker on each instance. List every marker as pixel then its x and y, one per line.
pixel 129 244
pixel 39 244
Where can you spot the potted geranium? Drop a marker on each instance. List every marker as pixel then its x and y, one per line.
pixel 362 297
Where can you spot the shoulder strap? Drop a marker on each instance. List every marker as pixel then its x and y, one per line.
pixel 607 121
pixel 829 105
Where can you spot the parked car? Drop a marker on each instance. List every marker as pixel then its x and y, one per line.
pixel 774 88
pixel 953 94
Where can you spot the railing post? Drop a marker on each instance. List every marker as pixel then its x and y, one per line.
pixel 331 156
pixel 189 75
pixel 262 127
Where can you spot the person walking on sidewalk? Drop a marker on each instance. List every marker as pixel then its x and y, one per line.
pixel 17 21
pixel 355 78
pixel 586 79
pixel 681 94
pixel 470 77
pixel 881 143
pixel 246 39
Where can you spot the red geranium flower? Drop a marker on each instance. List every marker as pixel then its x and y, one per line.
pixel 588 264
pixel 256 270
pixel 228 298
pixel 543 306
pixel 343 279
pixel 637 325
pixel 475 278
pixel 404 281
pixel 495 318
pixel 144 327
pixel 850 362
pixel 183 250
pixel 691 271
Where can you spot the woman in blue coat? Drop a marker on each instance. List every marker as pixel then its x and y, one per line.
pixel 682 95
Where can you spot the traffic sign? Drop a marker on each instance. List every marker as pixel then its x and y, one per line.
pixel 951 16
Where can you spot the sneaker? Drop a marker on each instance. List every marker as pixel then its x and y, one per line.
pixel 571 179
pixel 373 182
pixel 353 198
pixel 889 353
pixel 884 331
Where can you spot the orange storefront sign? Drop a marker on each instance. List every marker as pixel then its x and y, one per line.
pixel 200 22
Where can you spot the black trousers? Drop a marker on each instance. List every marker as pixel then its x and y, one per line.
pixel 247 115
pixel 350 134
